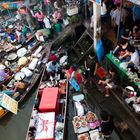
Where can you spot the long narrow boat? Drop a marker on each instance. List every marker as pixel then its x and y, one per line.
pixel 49 111
pixel 31 81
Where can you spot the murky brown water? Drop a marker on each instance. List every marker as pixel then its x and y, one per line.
pixel 14 127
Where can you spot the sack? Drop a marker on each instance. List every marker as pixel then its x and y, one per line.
pixel 79 109
pixel 20 85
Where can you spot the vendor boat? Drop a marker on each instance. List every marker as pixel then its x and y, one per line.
pixel 49 110
pixel 23 80
pixel 85 122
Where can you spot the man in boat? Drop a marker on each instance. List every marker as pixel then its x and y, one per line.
pixel 52 69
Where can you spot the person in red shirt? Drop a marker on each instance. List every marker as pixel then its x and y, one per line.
pixel 76 74
pixel 52 57
pixel 73 72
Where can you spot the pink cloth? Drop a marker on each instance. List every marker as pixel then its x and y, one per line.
pixel 46 1
pixel 70 70
pixel 39 16
pixel 117 1
pixel 57 15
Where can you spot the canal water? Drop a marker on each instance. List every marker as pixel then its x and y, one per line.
pixel 14 127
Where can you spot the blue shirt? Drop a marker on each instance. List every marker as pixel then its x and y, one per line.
pixel 136 11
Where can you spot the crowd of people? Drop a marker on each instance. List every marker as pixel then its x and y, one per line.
pixel 123 19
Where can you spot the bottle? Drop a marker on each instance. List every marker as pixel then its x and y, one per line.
pixel 111 52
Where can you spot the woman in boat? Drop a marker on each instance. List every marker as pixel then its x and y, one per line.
pixel 67 70
pixel 5 72
pixel 134 58
pixel 53 70
pixel 77 75
pixel 73 72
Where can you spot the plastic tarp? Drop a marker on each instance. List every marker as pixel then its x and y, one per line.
pixel 100 52
pixel 45 126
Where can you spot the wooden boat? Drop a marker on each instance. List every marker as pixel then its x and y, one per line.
pixel 28 81
pixel 49 110
pixel 85 122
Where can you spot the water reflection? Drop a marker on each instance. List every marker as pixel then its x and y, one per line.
pixel 14 127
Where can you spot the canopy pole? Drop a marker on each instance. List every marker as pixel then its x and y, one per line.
pixel 118 32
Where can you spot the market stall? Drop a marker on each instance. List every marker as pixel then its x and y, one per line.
pixel 49 111
pixel 24 66
pixel 85 123
pixel 123 71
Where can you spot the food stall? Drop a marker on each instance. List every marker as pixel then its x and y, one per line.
pixel 85 123
pixel 123 71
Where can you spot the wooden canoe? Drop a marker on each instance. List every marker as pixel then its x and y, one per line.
pixel 35 77
pixel 60 109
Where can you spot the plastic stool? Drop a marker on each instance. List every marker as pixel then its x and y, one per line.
pixel 101 72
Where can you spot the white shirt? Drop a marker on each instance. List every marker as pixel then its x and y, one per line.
pixel 135 58
pixel 103 9
pixel 47 23
pixel 51 68
pixel 63 60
